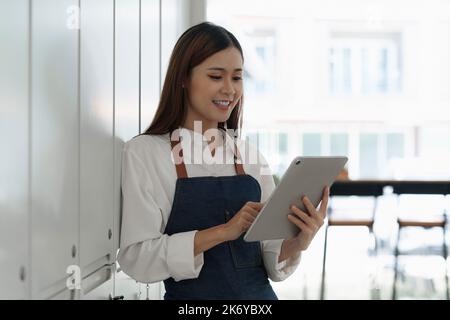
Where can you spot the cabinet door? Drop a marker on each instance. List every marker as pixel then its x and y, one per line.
pixel 126 90
pixel 150 71
pixel 14 172
pixel 96 134
pixel 55 154
pixel 171 29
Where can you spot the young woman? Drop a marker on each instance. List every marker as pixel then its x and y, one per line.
pixel 183 219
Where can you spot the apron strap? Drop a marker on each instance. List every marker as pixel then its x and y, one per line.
pixel 239 167
pixel 181 167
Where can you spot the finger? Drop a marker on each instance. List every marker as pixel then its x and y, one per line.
pixel 315 214
pixel 299 223
pixel 255 205
pixel 308 204
pixel 302 215
pixel 324 204
pixel 247 225
pixel 248 217
pixel 247 222
pixel 251 211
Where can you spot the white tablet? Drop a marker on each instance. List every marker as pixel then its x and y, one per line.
pixel 306 176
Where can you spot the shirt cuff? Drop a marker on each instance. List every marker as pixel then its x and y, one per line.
pixel 181 262
pixel 278 271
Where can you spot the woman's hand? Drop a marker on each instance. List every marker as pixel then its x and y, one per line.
pixel 241 221
pixel 308 223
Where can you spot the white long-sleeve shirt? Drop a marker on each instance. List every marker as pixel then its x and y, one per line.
pixel 148 188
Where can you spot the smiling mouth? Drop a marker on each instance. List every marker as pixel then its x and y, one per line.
pixel 222 104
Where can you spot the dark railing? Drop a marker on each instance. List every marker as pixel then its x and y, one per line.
pixel 375 187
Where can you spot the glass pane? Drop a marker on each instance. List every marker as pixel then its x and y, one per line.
pixel 368 155
pixel 339 144
pixel 311 144
pixel 282 143
pixel 252 139
pixel 395 145
pixel 382 71
pixel 347 72
pixel 264 142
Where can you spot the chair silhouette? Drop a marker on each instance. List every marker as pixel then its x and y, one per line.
pixel 424 222
pixel 347 189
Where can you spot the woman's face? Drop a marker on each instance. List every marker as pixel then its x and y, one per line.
pixel 214 88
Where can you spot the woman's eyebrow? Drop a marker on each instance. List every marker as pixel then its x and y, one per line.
pixel 223 69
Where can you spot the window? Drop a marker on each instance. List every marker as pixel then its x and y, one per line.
pixel 388 62
pixel 260 60
pixel 364 64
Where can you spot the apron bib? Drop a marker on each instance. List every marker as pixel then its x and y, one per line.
pixel 232 269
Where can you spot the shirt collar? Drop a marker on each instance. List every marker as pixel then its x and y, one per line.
pixel 194 142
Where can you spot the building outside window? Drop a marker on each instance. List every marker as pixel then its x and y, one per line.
pixel 364 64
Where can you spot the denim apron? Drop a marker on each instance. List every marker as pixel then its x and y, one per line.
pixel 232 269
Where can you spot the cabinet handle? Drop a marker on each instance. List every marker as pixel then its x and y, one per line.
pixel 22 273
pixel 74 251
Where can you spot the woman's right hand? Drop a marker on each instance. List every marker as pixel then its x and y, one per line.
pixel 242 220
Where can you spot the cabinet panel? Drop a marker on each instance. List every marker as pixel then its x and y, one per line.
pixel 171 26
pixel 149 61
pixel 55 145
pixel 14 126
pixel 96 133
pixel 126 90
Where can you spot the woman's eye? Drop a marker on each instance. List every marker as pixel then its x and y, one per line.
pixel 237 78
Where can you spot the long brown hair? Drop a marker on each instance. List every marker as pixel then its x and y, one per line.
pixel 193 47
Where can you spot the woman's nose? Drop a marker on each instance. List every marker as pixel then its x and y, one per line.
pixel 228 88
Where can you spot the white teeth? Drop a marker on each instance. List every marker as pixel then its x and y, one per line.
pixel 222 102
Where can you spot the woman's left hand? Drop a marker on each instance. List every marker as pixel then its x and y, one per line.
pixel 308 223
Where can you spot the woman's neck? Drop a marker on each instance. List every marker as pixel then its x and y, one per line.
pixel 213 137
pixel 200 126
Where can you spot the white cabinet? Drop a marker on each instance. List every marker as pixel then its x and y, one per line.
pixel 171 20
pixel 96 135
pixel 137 73
pixel 55 164
pixel 78 79
pixel 150 67
pixel 126 89
pixel 14 135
